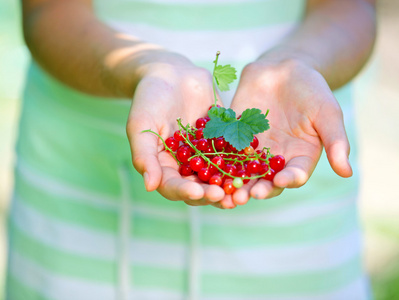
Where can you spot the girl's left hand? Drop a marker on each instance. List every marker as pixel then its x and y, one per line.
pixel 304 116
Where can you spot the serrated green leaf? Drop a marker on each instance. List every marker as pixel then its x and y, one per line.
pixel 239 133
pixel 224 75
pixel 255 118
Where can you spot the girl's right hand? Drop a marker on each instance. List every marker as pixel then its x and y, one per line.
pixel 170 88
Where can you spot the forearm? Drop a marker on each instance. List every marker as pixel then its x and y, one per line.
pixel 336 38
pixel 67 40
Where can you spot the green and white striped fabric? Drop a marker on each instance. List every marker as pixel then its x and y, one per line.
pixel 83 227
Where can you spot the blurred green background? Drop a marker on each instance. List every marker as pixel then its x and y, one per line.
pixel 377 106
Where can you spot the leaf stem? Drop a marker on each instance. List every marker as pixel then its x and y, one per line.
pixel 214 78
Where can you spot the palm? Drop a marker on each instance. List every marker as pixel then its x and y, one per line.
pixel 303 116
pixel 292 135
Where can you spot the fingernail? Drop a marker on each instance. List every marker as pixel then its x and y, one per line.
pixel 146 180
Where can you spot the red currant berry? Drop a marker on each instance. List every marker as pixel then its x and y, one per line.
pixel 183 153
pixel 192 150
pixel 209 150
pixel 228 187
pixel 249 150
pixel 216 179
pixel 201 122
pixel 261 154
pixel 255 142
pixel 230 149
pixel 172 143
pixel 253 167
pixel 178 137
pixel 184 136
pixel 213 169
pixel 239 166
pixel 197 163
pixel 219 161
pixel 194 142
pixel 185 170
pixel 204 174
pixel 199 134
pixel 277 163
pixel 191 137
pixel 241 157
pixel 231 169
pixel 220 143
pixel 263 167
pixel 238 182
pixel 270 175
pixel 202 144
pixel 243 173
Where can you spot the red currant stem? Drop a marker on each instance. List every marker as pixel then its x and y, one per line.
pixel 267 112
pixel 230 159
pixel 214 78
pixel 163 141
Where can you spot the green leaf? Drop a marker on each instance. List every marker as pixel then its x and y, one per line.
pixel 224 75
pixel 239 133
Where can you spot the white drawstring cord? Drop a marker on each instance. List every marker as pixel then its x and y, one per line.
pixel 124 237
pixel 194 255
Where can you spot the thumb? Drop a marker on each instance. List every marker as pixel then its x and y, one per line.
pixel 144 148
pixel 330 126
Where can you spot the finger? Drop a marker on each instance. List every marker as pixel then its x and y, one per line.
pixel 213 193
pixel 331 129
pixel 242 195
pixel 265 189
pixel 296 173
pixel 175 187
pixel 212 196
pixel 227 202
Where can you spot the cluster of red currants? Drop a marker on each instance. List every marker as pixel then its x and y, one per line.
pixel 215 161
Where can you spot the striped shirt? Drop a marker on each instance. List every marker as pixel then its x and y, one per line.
pixel 83 227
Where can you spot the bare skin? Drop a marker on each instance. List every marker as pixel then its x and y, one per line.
pixel 328 49
pixel 294 80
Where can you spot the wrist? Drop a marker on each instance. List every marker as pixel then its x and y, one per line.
pixel 276 70
pixel 124 77
pixel 286 56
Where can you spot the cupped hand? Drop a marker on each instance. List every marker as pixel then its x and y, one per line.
pixel 304 116
pixel 170 88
